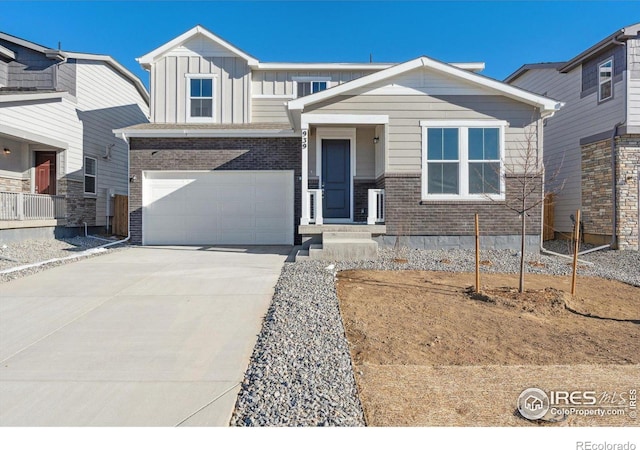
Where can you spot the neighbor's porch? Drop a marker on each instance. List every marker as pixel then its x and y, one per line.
pixel 343 162
pixel 29 176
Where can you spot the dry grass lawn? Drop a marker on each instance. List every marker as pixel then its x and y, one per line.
pixel 427 352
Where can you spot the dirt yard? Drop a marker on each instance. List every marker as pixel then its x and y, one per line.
pixel 429 352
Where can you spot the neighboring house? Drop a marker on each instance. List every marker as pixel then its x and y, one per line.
pixel 60 163
pixel 597 130
pixel 244 152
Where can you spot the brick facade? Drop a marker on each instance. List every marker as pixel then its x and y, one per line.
pixel 80 209
pixel 361 199
pixel 210 154
pixel 407 215
pixel 12 185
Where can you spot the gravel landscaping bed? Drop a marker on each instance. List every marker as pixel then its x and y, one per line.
pixel 16 254
pixel 300 373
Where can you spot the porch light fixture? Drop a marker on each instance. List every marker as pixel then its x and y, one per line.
pixel 7 151
pixel 376 140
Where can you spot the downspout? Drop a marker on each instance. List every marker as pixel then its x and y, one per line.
pixel 126 139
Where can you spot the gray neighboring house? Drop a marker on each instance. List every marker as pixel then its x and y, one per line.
pixel 60 163
pixel 240 151
pixel 595 135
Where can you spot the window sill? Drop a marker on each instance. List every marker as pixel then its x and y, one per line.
pixel 461 199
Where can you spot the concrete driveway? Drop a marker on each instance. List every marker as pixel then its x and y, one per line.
pixel 147 336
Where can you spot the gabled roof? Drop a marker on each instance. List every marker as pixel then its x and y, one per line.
pixel 197 30
pixel 544 103
pixel 471 66
pixel 61 55
pixel 622 34
pixel 7 53
pixel 527 67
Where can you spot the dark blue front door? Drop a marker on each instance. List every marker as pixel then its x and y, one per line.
pixel 336 180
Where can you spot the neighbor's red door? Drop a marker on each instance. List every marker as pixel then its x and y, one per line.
pixel 46 173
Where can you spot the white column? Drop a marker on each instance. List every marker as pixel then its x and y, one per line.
pixel 304 220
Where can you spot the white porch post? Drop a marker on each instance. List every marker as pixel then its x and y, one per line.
pixel 304 220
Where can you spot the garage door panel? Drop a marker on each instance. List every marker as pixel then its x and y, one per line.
pixel 224 207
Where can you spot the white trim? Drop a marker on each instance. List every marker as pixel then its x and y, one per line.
pixel 311 78
pixel 4 51
pixel 463 158
pixel 32 97
pixel 351 119
pixel 610 80
pixel 180 133
pixel 304 179
pixel 147 59
pixel 544 103
pixel 337 133
pixel 472 66
pixel 200 76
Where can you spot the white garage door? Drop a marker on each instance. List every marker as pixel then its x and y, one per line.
pixel 226 207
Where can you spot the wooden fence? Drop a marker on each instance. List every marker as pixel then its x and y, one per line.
pixel 120 215
pixel 548 230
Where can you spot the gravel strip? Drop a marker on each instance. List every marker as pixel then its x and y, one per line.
pixel 300 373
pixel 15 254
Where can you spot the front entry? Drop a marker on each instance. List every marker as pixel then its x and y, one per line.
pixel 336 179
pixel 45 173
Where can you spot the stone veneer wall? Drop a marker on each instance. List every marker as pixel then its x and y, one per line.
pixel 79 208
pixel 596 210
pixel 13 185
pixel 210 154
pixel 628 172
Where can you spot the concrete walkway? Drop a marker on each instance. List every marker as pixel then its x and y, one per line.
pixel 147 336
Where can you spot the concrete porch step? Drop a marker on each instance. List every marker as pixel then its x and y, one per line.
pixel 342 235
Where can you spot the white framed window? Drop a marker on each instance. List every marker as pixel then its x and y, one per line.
pixel 463 160
pixel 90 175
pixel 200 97
pixel 605 80
pixel 310 85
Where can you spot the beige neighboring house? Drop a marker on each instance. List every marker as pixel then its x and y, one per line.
pixel 60 164
pixel 240 151
pixel 592 146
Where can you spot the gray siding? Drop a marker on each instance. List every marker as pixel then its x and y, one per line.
pixel 231 87
pixel 581 117
pixel 271 110
pixel 4 73
pixel 30 69
pixel 278 82
pixel 67 77
pixel 406 111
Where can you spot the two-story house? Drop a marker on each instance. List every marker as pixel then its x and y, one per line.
pixel 60 164
pixel 240 151
pixel 592 146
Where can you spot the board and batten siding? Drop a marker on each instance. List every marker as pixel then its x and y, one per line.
pixel 406 111
pixel 633 65
pixel 107 101
pixel 581 117
pixel 232 78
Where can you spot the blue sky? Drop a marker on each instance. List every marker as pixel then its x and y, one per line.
pixel 503 34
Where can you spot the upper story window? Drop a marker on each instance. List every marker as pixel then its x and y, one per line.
pixel 462 160
pixel 605 80
pixel 200 98
pixel 90 175
pixel 310 85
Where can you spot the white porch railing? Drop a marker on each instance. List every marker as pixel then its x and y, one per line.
pixel 315 206
pixel 375 206
pixel 23 206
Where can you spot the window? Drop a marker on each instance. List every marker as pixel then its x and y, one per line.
pixel 310 85
pixel 90 173
pixel 200 99
pixel 462 160
pixel 605 80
